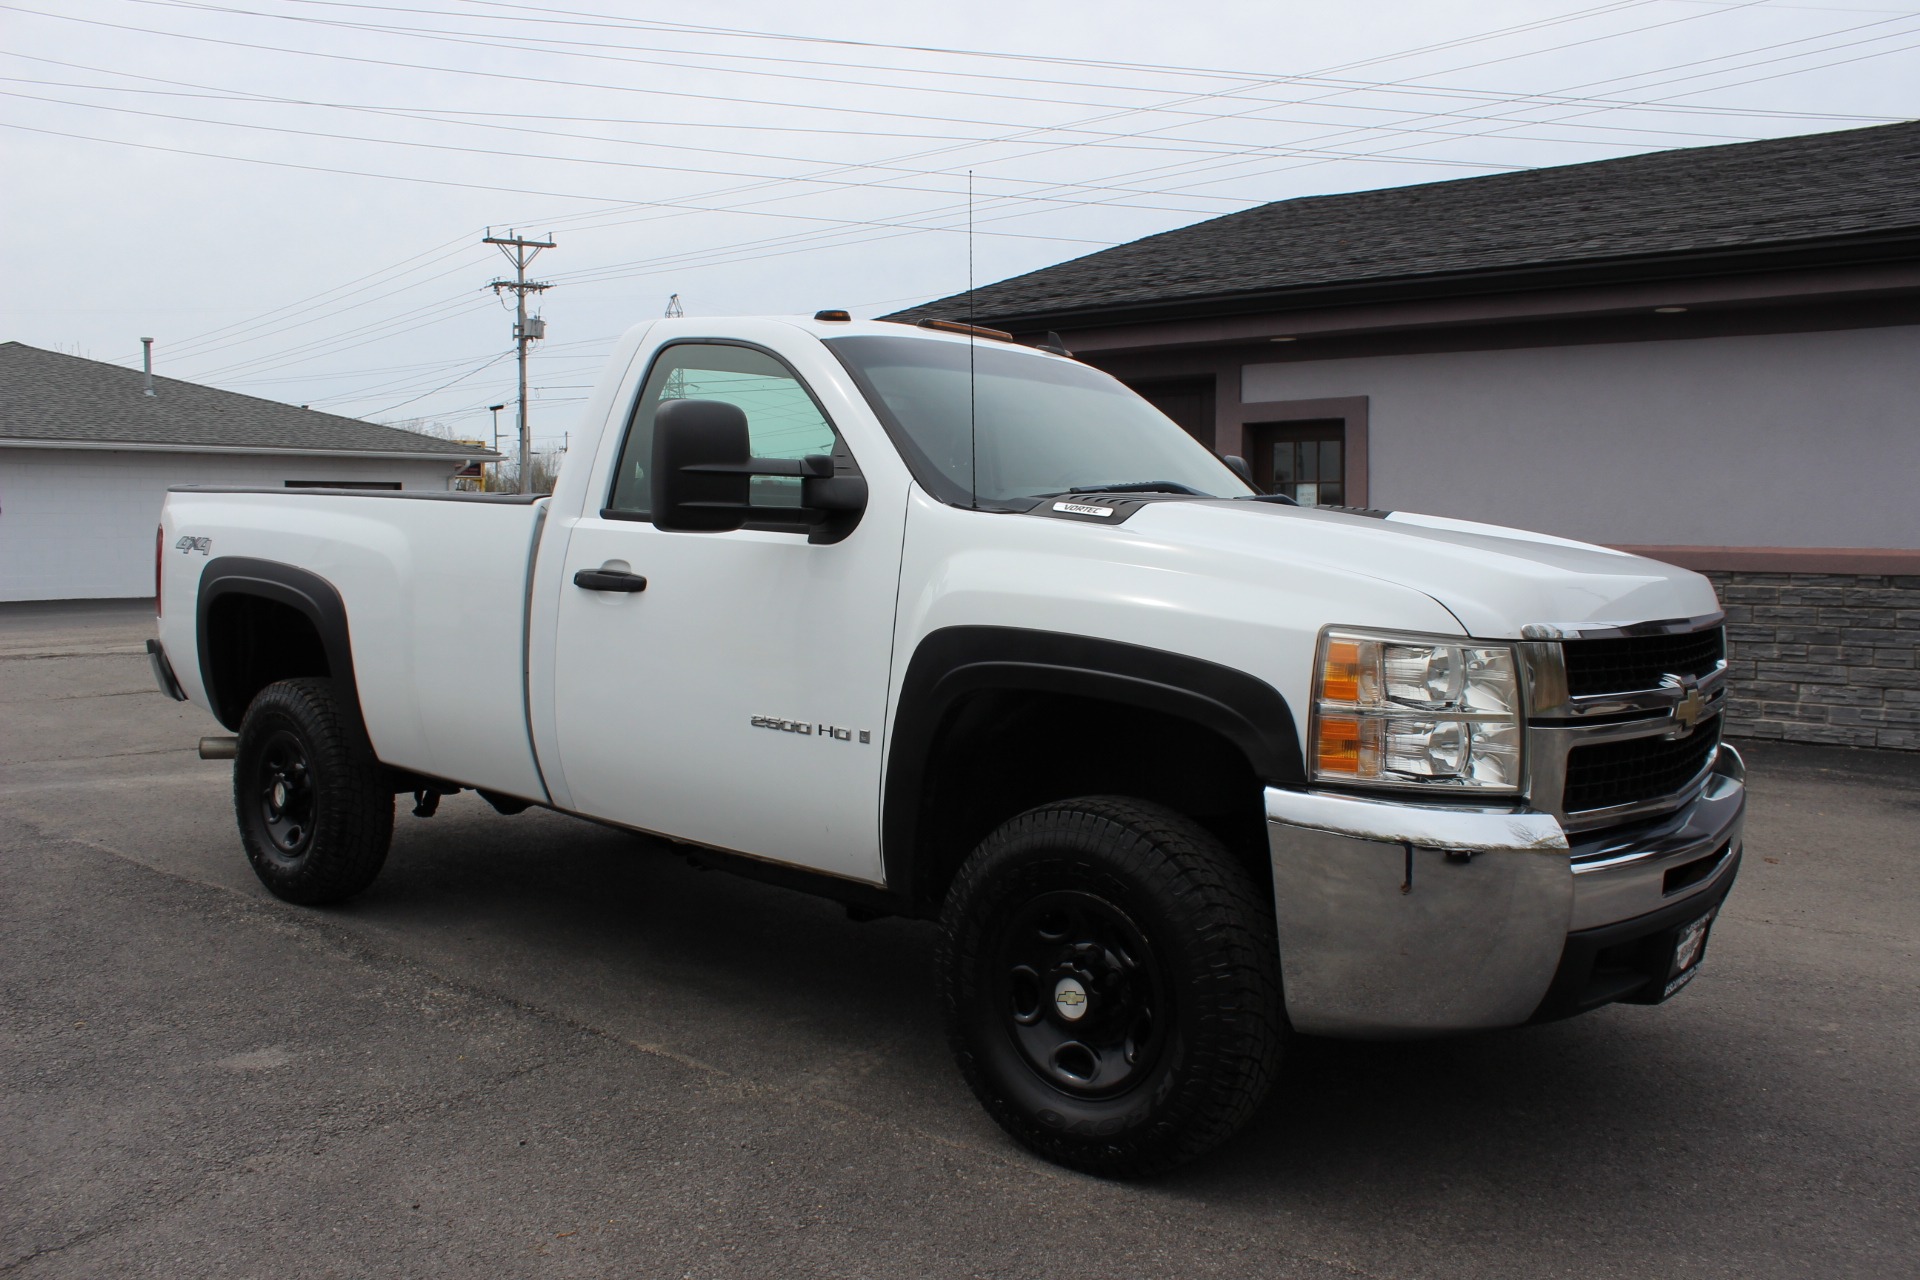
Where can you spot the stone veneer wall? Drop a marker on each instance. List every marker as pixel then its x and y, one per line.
pixel 1823 657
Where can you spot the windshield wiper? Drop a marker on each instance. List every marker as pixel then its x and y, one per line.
pixel 1131 486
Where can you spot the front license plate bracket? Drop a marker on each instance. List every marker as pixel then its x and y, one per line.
pixel 1689 949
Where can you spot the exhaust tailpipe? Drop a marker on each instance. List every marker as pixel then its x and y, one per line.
pixel 219 747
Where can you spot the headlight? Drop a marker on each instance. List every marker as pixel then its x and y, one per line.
pixel 1415 711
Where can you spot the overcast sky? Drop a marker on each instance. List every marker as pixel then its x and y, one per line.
pixel 289 195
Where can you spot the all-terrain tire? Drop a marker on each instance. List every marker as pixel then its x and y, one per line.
pixel 1111 985
pixel 315 808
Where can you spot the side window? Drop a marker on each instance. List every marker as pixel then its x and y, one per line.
pixel 782 420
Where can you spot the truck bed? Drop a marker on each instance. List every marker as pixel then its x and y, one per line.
pixel 434 583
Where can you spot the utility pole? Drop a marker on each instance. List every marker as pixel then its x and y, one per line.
pixel 520 252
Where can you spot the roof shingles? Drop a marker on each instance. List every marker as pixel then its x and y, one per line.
pixel 1697 200
pixel 46 395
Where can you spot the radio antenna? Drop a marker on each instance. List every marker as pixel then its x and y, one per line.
pixel 973 422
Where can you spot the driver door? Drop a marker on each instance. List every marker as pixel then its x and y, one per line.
pixel 738 700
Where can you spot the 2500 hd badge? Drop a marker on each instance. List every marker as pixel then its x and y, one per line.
pixel 808 728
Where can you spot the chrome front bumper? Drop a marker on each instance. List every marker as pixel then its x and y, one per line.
pixel 1402 920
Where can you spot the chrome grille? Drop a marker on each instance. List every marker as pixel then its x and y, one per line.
pixel 1622 723
pixel 1601 775
pixel 1629 663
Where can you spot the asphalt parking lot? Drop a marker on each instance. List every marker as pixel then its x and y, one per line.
pixel 537 1047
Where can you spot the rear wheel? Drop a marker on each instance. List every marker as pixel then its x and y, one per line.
pixel 314 807
pixel 1111 985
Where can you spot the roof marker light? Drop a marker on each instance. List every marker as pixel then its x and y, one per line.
pixel 978 331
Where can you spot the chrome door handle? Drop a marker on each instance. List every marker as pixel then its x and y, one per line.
pixel 609 580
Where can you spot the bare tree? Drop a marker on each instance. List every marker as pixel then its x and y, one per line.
pixel 425 427
pixel 504 476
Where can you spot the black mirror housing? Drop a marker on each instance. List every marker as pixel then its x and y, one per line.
pixel 700 478
pixel 703 467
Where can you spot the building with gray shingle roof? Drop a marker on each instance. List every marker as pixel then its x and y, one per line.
pixel 48 397
pixel 86 458
pixel 1852 196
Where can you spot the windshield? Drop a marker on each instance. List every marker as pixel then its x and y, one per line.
pixel 1042 425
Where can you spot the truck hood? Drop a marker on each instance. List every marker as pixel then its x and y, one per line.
pixel 1494 580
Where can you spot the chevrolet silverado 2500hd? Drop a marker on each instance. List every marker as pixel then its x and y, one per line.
pixel 953 628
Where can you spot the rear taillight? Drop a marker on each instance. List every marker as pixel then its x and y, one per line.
pixel 159 549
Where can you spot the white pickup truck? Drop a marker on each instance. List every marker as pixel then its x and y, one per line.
pixel 953 628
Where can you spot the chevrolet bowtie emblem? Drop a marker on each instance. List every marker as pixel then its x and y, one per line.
pixel 1692 707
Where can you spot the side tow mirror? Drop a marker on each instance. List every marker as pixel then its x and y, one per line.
pixel 699 481
pixel 703 469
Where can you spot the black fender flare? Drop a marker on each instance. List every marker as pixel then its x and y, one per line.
pixel 302 590
pixel 954 662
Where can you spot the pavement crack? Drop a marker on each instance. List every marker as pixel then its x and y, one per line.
pixel 46 655
pixel 109 755
pixel 111 693
pixel 47 1251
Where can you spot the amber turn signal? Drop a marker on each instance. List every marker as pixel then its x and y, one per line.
pixel 1337 750
pixel 1340 672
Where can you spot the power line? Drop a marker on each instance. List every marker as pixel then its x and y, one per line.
pixel 497 188
pixel 596 50
pixel 442 387
pixel 627 23
pixel 816 236
pixel 463 70
pixel 868 230
pixel 1183 146
pixel 1700 75
pixel 373 331
pixel 494 152
pixel 330 305
pixel 681 94
pixel 1188 169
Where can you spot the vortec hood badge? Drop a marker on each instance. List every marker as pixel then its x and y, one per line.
pixel 1095 508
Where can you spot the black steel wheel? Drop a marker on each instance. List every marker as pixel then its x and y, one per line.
pixel 314 807
pixel 1086 998
pixel 1110 981
pixel 283 788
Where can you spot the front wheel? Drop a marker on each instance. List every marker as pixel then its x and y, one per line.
pixel 315 810
pixel 1111 985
